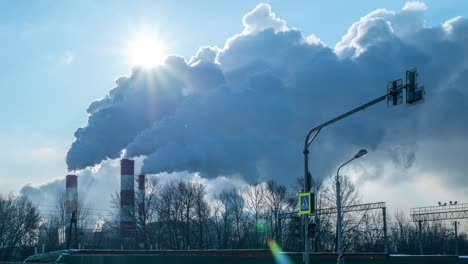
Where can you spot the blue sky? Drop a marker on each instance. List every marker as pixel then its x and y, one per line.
pixel 57 57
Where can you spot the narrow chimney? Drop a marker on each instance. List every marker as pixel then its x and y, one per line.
pixel 141 195
pixel 71 200
pixel 141 210
pixel 71 195
pixel 127 199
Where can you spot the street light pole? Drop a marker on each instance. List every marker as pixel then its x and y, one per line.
pixel 339 217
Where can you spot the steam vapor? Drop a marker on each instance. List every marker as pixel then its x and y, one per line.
pixel 243 109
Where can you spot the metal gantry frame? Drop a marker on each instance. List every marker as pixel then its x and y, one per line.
pixel 439 213
pixel 347 209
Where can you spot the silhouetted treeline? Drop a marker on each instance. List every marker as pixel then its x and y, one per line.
pixel 182 215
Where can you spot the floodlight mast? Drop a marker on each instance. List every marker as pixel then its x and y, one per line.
pixel 308 141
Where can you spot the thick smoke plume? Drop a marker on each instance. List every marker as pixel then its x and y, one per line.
pixel 244 109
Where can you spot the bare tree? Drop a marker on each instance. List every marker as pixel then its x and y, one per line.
pixel 350 196
pixel 255 205
pixel 202 214
pixel 19 223
pixel 56 223
pixel 277 200
pixel 217 212
pixel 236 207
pixel 148 214
pixel 226 216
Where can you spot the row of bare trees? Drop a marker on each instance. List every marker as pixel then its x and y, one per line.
pixel 182 215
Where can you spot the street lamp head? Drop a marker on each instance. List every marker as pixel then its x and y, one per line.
pixel 361 153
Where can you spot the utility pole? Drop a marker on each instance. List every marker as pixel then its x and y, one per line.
pixel 384 216
pixel 420 238
pixel 456 237
pixel 72 224
pixel 339 218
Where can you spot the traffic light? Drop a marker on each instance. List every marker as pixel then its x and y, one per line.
pixel 395 92
pixel 414 94
pixel 311 229
pixel 297 227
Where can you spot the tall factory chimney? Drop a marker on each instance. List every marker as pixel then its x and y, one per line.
pixel 71 195
pixel 141 210
pixel 141 195
pixel 71 204
pixel 127 199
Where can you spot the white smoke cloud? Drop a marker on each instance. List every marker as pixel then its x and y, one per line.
pixel 95 187
pixel 134 104
pixel 244 109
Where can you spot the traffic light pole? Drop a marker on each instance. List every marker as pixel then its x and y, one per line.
pixel 414 94
pixel 308 142
pixel 305 217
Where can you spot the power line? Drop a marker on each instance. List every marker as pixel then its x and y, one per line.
pixel 84 208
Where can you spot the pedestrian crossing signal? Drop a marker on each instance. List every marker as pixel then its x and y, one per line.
pixel 305 203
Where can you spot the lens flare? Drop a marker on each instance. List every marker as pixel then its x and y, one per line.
pixel 277 252
pixel 260 226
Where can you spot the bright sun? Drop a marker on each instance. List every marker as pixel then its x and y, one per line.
pixel 146 50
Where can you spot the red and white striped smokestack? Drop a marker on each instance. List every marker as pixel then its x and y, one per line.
pixel 127 198
pixel 71 195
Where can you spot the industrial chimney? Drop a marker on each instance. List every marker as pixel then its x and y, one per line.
pixel 127 199
pixel 71 203
pixel 141 210
pixel 141 195
pixel 71 195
